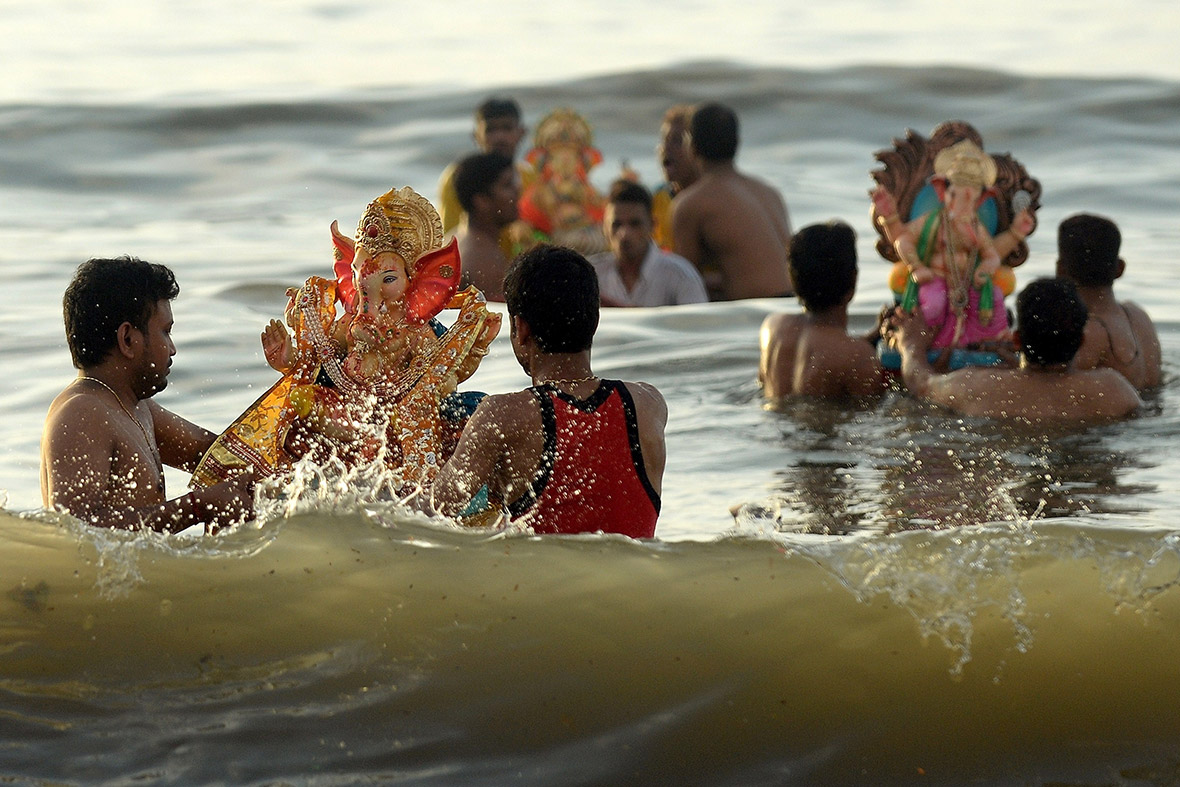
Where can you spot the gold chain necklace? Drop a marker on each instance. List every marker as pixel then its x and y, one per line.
pixel 573 381
pixel 155 451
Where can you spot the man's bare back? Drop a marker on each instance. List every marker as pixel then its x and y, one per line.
pixel 803 356
pixel 735 229
pixel 1122 337
pixel 1117 335
pixel 506 433
pixel 1038 394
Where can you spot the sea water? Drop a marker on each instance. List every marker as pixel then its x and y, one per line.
pixel 869 594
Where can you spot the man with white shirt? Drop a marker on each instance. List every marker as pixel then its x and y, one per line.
pixel 636 272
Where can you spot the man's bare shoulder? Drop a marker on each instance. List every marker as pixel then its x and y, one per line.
pixel 75 408
pixel 1110 387
pixel 761 187
pixel 647 396
pixel 484 264
pixel 475 249
pixel 504 410
pixel 690 200
pixel 1141 321
pixel 782 322
pixel 1091 394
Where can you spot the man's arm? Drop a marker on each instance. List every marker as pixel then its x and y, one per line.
pixel 686 236
pixel 959 390
pixel 182 443
pixel 474 462
pixel 78 453
pixel 913 341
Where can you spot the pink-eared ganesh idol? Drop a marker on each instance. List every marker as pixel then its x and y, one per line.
pixel 368 382
pixel 560 202
pixel 955 219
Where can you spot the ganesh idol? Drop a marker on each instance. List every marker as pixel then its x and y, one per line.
pixel 368 372
pixel 956 229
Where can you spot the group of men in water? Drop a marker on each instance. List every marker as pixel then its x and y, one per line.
pixel 1082 354
pixel 709 232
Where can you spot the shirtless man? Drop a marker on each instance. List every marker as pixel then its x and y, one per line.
pixel 106 442
pixel 811 354
pixel 488 189
pixel 680 170
pixel 498 129
pixel 1118 335
pixel 733 227
pixel 574 453
pixel 1050 323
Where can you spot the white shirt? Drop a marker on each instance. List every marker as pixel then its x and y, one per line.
pixel 665 279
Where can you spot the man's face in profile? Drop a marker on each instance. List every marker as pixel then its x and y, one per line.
pixel 675 155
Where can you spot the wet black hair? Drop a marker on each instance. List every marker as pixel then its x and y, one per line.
pixel 1088 249
pixel 555 290
pixel 1051 318
pixel 498 107
pixel 476 173
pixel 104 294
pixel 714 130
pixel 623 190
pixel 822 262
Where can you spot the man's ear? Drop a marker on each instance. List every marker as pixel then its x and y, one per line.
pixel 127 340
pixel 1121 268
pixel 520 329
pixel 1016 340
pixel 481 202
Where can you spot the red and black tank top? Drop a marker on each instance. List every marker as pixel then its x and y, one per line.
pixel 591 476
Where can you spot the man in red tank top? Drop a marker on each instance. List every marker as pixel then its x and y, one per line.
pixel 573 453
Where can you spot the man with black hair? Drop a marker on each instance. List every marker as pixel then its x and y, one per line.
pixel 498 129
pixel 573 453
pixel 1118 335
pixel 106 441
pixel 1050 323
pixel 488 189
pixel 811 354
pixel 636 272
pixel 733 227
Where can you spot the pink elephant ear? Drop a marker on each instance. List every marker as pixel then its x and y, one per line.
pixel 591 157
pixel 345 252
pixel 939 182
pixel 434 283
pixel 991 192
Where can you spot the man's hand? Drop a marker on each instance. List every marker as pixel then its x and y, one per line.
pixel 227 502
pixel 912 332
